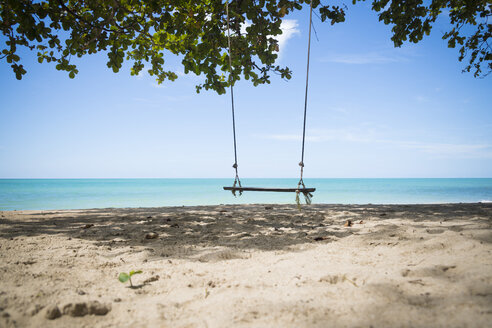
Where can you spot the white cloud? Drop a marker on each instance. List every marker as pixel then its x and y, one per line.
pixel 362 59
pixel 469 150
pixel 318 135
pixel 291 137
pixel 289 28
pixel 244 26
pixel 372 135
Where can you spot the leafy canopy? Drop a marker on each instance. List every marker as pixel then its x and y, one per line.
pixel 144 32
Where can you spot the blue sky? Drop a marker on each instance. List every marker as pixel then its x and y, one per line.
pixel 373 111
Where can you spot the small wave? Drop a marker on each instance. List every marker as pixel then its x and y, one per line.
pixel 486 201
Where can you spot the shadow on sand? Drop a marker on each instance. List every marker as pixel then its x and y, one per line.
pixel 179 231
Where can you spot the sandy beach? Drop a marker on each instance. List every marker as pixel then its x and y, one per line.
pixel 248 266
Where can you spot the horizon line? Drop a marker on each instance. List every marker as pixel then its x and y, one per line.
pixel 203 178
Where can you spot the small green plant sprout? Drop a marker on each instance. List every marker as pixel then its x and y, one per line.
pixel 123 277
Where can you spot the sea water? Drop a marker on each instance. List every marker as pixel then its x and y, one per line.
pixel 42 194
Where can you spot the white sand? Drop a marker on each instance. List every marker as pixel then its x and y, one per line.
pixel 251 266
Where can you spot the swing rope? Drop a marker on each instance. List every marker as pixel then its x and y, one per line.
pixel 307 195
pixel 236 179
pixel 300 186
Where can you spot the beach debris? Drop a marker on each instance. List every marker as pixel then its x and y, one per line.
pixel 29 262
pixel 415 264
pixel 87 226
pixel 268 207
pixel 361 222
pixel 124 277
pixel 434 231
pixel 300 234
pixel 33 310
pixel 151 235
pixel 97 308
pixel 382 214
pixel 151 279
pixel 149 217
pixel 117 300
pixel 52 312
pixel 81 292
pixel 348 223
pixel 76 309
pixel 334 279
pixel 83 308
pixel 320 238
pixel 446 267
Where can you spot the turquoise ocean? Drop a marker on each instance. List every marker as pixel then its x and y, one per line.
pixel 44 194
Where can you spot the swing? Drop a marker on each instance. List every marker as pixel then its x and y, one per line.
pixel 301 188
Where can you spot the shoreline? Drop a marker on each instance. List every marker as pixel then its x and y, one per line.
pixel 134 193
pixel 303 205
pixel 250 265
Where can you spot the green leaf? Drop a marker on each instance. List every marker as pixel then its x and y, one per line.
pixel 123 277
pixel 135 272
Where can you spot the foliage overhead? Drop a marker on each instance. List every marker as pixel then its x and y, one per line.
pixel 144 32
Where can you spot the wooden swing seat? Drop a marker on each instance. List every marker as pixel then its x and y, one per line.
pixel 302 190
pixel 306 191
